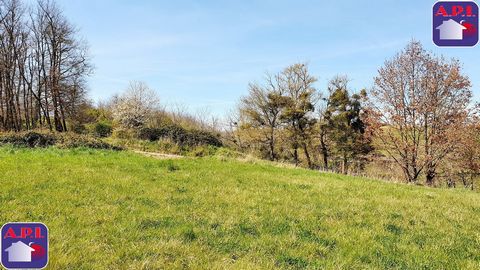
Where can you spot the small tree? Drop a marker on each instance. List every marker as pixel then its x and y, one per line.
pixel 135 106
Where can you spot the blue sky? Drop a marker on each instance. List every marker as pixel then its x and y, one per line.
pixel 204 53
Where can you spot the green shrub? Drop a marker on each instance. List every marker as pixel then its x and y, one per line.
pixel 102 130
pixel 65 140
pixel 175 133
pixel 200 137
pixel 28 139
pixel 149 134
pixel 77 141
pixel 180 136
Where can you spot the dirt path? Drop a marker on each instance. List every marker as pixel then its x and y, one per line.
pixel 158 155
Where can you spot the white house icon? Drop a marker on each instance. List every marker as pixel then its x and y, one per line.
pixel 19 252
pixel 451 30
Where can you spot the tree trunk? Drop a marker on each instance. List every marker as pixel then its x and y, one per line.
pixel 344 165
pixel 307 155
pixel 324 150
pixel 295 156
pixel 430 176
pixel 273 156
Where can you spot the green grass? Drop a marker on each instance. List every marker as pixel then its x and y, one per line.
pixel 119 210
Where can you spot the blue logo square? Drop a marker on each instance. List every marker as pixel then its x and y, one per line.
pixel 455 24
pixel 24 246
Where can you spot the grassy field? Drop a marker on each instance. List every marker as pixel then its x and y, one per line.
pixel 120 210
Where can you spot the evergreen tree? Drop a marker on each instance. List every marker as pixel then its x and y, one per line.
pixel 345 126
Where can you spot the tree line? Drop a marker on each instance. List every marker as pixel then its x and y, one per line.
pixel 43 65
pixel 419 116
pixel 287 118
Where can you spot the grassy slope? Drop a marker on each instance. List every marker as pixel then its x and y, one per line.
pixel 121 210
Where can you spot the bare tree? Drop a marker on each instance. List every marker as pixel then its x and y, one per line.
pixel 418 103
pixel 12 41
pixel 67 61
pixel 42 67
pixel 463 164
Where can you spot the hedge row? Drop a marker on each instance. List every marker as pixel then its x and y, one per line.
pixel 35 139
pixel 180 136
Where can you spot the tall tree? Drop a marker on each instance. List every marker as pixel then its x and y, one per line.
pixel 12 43
pixel 323 133
pixel 418 103
pixel 301 95
pixel 43 66
pixel 262 109
pixel 345 122
pixel 67 61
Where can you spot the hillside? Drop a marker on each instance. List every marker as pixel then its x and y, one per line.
pixel 121 210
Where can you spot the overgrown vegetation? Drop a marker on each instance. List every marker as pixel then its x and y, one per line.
pixel 180 136
pixel 47 139
pixel 413 120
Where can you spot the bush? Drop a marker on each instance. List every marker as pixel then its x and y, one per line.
pixel 149 134
pixel 33 139
pixel 102 130
pixel 180 136
pixel 175 133
pixel 199 137
pixel 29 139
pixel 65 140
pixel 77 141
